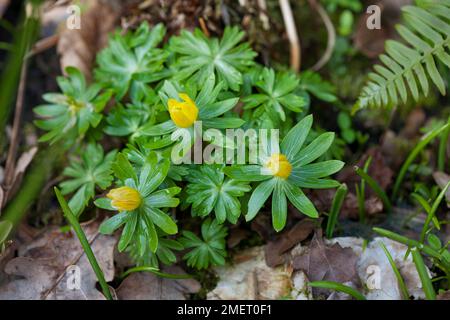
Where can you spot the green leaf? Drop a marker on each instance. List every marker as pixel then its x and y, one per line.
pixel 209 190
pixel 426 35
pixel 279 208
pixel 114 223
pixel 300 201
pixel 207 251
pixel 259 197
pixel 199 57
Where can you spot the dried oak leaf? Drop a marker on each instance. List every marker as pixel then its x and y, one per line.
pixel 44 267
pixel 275 250
pixel 147 286
pixel 78 47
pixel 327 262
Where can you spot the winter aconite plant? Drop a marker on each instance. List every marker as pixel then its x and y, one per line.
pixel 169 199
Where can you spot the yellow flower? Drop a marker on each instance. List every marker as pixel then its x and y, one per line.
pixel 124 198
pixel 279 165
pixel 185 113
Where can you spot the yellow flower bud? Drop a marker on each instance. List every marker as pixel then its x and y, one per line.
pixel 279 165
pixel 124 198
pixel 185 113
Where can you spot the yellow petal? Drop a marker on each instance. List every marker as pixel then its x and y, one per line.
pixel 125 198
pixel 185 113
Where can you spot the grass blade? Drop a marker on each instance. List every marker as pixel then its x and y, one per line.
pixel 426 139
pixel 375 187
pixel 336 206
pixel 432 212
pixel 412 243
pixel 401 282
pixel 338 287
pixel 84 243
pixel 155 271
pixel 443 148
pixel 427 285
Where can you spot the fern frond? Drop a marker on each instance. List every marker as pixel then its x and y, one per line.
pixel 407 68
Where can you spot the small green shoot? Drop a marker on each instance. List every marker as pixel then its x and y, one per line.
pixel 375 187
pixel 426 139
pixel 401 282
pixel 427 285
pixel 336 206
pixel 361 193
pixel 432 212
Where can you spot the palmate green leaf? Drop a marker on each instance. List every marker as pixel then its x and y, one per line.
pixel 407 67
pixel 276 94
pixel 209 190
pixel 200 56
pixel 312 83
pixel 143 224
pixel 130 119
pixel 210 250
pixel 164 253
pixel 91 170
pixel 71 113
pixel 132 60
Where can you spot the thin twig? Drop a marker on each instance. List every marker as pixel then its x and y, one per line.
pixel 43 44
pixel 12 151
pixel 331 35
pixel 291 31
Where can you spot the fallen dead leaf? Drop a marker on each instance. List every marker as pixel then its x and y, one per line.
pixel 44 267
pixel 147 286
pixel 249 278
pixel 78 47
pixel 376 273
pixel 327 262
pixel 275 250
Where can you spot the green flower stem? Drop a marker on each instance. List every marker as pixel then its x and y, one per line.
pixel 84 243
pixel 375 187
pixel 33 183
pixel 338 200
pixel 412 156
pixel 427 285
pixel 338 287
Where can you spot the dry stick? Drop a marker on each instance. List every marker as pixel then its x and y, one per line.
pixel 12 151
pixel 291 30
pixel 331 35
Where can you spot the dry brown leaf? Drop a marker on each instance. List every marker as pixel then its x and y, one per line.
pixel 78 47
pixel 275 250
pixel 147 286
pixel 324 262
pixel 42 269
pixel 249 278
